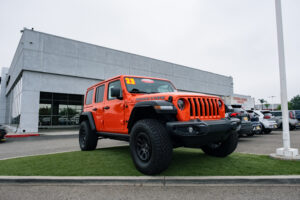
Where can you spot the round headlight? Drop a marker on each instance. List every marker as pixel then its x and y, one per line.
pixel 180 104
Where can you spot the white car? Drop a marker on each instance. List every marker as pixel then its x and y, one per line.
pixel 266 119
pixel 293 121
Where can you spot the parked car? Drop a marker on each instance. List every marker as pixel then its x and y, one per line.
pixel 293 122
pixel 256 125
pixel 266 119
pixel 238 112
pixel 296 114
pixel 155 118
pixel 3 132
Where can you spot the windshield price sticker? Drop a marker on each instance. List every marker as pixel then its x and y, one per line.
pixel 130 81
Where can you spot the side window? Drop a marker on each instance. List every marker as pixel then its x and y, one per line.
pixel 99 94
pixel 115 84
pixel 89 97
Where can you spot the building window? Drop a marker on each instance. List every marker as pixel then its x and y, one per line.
pixel 58 109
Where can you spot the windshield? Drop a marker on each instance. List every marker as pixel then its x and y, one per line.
pixel 145 85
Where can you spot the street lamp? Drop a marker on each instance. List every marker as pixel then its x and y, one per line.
pixel 272 102
pixel 285 152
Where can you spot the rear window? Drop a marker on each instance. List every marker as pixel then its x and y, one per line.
pixel 239 110
pixel 277 114
pixel 89 97
pixel 268 114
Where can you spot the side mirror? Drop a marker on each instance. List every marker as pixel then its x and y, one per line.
pixel 116 92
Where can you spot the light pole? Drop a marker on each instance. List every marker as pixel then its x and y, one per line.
pixel 272 102
pixel 284 152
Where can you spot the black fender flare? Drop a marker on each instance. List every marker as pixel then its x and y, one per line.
pixel 89 117
pixel 151 105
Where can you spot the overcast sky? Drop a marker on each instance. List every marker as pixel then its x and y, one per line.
pixel 231 37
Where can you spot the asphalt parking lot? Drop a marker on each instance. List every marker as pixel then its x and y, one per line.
pixel 54 143
pixel 46 144
pixel 268 143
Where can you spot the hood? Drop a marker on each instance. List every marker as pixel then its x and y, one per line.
pixel 165 96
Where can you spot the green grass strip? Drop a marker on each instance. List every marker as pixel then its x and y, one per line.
pixel 116 161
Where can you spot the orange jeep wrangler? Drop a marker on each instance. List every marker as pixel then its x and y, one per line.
pixel 155 118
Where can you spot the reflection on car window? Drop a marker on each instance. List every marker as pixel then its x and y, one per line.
pixel 145 85
pixel 89 97
pixel 99 94
pixel 115 84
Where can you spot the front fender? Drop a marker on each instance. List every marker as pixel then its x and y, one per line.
pixel 89 117
pixel 150 107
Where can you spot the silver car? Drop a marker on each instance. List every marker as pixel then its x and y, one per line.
pixel 293 121
pixel 266 119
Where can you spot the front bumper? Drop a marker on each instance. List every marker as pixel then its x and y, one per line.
pixel 198 133
pixel 271 126
pixel 246 128
pixel 256 127
pixel 2 133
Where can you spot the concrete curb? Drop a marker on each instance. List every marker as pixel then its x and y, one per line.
pixel 21 135
pixel 150 180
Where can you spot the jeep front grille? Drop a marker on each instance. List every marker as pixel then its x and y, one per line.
pixel 204 108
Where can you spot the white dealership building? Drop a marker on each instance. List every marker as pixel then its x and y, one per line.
pixel 47 79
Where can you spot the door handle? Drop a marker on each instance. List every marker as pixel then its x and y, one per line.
pixel 94 109
pixel 106 107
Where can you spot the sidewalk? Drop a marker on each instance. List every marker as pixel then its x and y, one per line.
pixel 50 132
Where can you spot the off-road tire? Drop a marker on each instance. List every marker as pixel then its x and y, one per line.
pixel 156 137
pixel 224 148
pixel 87 138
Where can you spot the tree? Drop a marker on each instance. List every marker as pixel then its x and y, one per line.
pixel 289 106
pixel 68 111
pixel 267 105
pixel 262 101
pixel 279 107
pixel 295 103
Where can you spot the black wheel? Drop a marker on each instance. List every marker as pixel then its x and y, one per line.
pixel 250 134
pixel 2 139
pixel 150 146
pixel 292 127
pixel 267 131
pixel 87 138
pixel 222 149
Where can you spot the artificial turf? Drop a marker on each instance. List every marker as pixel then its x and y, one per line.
pixel 116 161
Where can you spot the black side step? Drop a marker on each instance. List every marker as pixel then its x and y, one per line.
pixel 115 136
